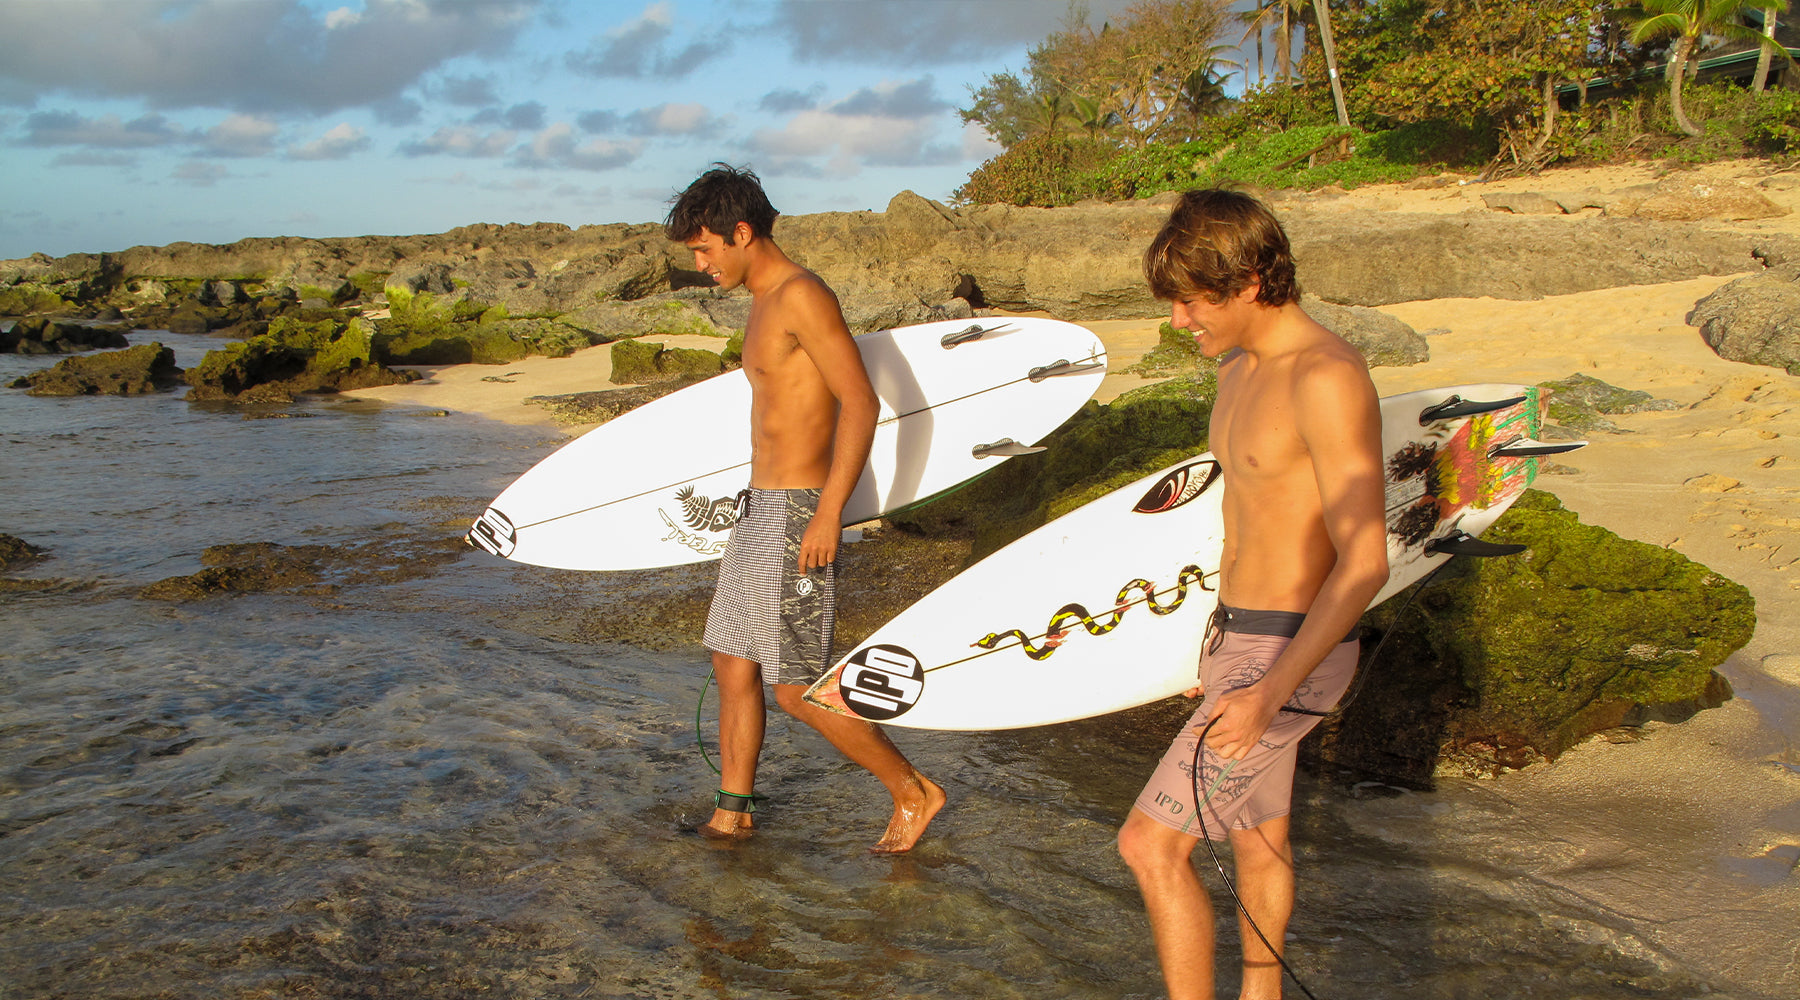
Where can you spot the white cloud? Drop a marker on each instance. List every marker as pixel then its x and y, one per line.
pixel 69 128
pixel 340 142
pixel 923 32
pixel 555 146
pixel 266 56
pixel 460 140
pixel 891 124
pixel 642 47
pixel 240 135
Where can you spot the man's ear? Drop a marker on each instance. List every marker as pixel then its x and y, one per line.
pixel 1250 292
pixel 741 234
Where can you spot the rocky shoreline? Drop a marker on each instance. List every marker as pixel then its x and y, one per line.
pixel 336 315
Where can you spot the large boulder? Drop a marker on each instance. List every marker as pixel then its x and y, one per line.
pixel 133 371
pixel 1384 341
pixel 294 357
pixel 635 362
pixel 1509 661
pixel 1680 198
pixel 1755 319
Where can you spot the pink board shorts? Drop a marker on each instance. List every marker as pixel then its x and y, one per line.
pixel 1260 787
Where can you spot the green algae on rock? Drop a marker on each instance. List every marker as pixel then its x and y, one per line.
pixel 1508 661
pixel 294 357
pixel 132 371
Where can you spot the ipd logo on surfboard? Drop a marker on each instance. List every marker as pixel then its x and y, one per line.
pixel 494 532
pixel 881 682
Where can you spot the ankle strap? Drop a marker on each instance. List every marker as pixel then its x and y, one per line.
pixel 733 802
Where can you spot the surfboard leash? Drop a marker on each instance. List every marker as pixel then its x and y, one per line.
pixel 1200 802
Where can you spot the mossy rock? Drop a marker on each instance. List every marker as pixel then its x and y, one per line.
pixel 637 363
pixel 26 298
pixel 132 371
pixel 1175 351
pixel 1508 661
pixel 294 356
pixel 1579 402
pixel 1099 449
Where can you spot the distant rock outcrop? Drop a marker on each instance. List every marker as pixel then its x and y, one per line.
pixel 133 371
pixel 1755 319
pixel 918 260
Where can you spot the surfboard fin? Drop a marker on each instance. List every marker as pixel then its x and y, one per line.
pixel 1005 448
pixel 1461 543
pixel 1456 406
pixel 1063 369
pixel 1528 448
pixel 975 331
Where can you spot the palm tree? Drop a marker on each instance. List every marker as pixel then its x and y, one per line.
pixel 1286 17
pixel 1688 21
pixel 1762 57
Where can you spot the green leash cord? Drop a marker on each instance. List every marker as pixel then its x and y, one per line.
pixel 699 741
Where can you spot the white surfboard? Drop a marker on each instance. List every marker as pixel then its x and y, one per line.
pixel 655 486
pixel 1104 608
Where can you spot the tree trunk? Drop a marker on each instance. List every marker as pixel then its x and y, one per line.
pixel 1284 50
pixel 1323 7
pixel 1762 56
pixel 1550 107
pixel 1678 73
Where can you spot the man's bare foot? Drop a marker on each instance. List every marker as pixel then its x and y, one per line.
pixel 911 816
pixel 726 825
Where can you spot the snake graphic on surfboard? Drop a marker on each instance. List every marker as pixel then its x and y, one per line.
pixel 655 485
pixel 1104 608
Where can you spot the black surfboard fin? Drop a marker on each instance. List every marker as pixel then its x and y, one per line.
pixel 1528 448
pixel 1461 543
pixel 1063 368
pixel 1005 448
pixel 974 331
pixel 1456 406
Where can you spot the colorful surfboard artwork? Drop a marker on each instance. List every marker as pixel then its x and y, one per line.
pixel 655 486
pixel 1104 608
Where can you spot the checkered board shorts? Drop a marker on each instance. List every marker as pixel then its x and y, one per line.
pixel 765 610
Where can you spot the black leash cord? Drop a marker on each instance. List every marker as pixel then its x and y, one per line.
pixel 1200 800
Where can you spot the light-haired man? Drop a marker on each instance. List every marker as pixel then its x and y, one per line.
pixel 1297 430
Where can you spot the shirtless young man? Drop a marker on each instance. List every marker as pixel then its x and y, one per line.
pixel 1297 430
pixel 812 418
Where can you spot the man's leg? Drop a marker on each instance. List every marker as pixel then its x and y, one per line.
pixel 741 722
pixel 1180 911
pixel 1264 861
pixel 916 798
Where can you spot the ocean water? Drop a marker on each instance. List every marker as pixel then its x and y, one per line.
pixel 401 786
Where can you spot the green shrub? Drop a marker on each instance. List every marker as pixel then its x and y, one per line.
pixel 1043 170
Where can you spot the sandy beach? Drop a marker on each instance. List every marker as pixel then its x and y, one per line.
pixel 1692 830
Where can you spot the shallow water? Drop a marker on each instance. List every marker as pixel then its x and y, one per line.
pixel 405 789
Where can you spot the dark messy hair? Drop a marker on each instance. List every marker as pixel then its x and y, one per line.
pixel 1218 243
pixel 718 200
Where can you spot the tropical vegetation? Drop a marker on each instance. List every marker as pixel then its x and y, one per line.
pixel 1175 93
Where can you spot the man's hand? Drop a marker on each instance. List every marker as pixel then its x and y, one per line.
pixel 1243 716
pixel 818 547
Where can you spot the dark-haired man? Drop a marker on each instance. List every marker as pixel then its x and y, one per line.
pixel 812 418
pixel 1297 430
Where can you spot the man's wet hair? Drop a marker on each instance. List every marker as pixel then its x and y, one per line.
pixel 1218 243
pixel 718 200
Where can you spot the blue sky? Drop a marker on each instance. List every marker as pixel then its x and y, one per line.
pixel 126 122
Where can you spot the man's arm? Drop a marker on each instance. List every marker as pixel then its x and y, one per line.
pixel 1342 419
pixel 818 324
